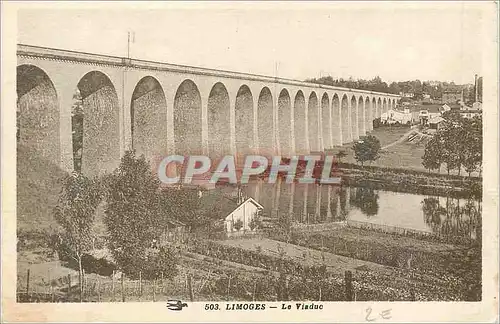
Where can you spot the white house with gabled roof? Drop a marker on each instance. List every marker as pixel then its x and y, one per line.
pixel 243 215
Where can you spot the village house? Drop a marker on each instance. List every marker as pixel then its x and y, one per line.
pixel 470 113
pixel 242 220
pixel 436 122
pixel 452 96
pixel 444 108
pixel 406 94
pixel 423 117
pixel 397 116
pixel 234 213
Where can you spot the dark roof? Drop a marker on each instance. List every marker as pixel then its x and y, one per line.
pixel 454 106
pixel 219 202
pixel 431 108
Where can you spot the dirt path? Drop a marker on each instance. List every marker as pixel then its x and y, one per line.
pixel 401 139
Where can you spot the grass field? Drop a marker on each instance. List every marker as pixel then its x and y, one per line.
pixel 406 155
pixel 402 155
pixel 387 135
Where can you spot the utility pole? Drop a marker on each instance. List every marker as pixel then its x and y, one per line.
pixel 124 77
pixel 475 89
pixel 129 40
pixel 128 45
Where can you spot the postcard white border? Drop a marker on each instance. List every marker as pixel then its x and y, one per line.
pixel 486 310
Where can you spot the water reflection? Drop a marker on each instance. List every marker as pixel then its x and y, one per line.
pixel 366 200
pixel 447 216
pixel 310 204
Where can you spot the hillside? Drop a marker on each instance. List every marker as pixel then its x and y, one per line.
pixel 38 188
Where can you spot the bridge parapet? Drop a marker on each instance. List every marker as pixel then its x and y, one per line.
pixel 67 55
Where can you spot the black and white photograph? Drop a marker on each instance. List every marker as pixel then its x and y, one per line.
pixel 267 159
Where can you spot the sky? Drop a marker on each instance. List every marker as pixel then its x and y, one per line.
pixel 291 40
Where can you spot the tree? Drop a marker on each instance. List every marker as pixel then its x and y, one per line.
pixel 457 144
pixel 185 205
pixel 77 115
pixel 341 154
pixel 238 225
pixel 256 222
pixel 367 149
pixel 135 216
pixel 473 141
pixel 433 154
pixel 366 199
pixel 75 213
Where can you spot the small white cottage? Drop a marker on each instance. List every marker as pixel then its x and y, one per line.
pixel 240 219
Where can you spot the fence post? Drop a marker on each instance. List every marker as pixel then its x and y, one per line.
pixel 113 285
pixel 28 283
pixel 348 285
pixel 254 289
pixel 162 284
pixel 98 290
pixel 140 284
pixel 82 285
pixel 190 287
pixel 228 285
pixel 154 289
pixel 123 290
pixel 48 275
pixel 69 285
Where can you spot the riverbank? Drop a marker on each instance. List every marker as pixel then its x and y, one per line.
pixel 410 181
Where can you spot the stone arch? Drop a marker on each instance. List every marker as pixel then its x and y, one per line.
pixel 300 121
pixel 101 124
pixel 244 120
pixel 361 117
pixel 219 131
pixel 344 120
pixel 374 109
pixel 354 118
pixel 379 108
pixel 188 119
pixel 265 129
pixel 148 119
pixel 285 123
pixel 38 125
pixel 336 121
pixel 326 122
pixel 313 125
pixel 368 114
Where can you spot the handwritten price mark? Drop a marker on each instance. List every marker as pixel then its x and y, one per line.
pixel 385 314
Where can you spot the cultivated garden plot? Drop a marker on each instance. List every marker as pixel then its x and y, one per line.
pixel 169 180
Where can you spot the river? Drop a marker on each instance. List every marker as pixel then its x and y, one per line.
pixel 310 204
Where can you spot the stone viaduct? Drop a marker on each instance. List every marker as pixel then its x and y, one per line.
pixel 159 109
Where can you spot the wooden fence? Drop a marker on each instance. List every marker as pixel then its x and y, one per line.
pixel 387 228
pixel 117 288
pixel 114 288
pixel 419 234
